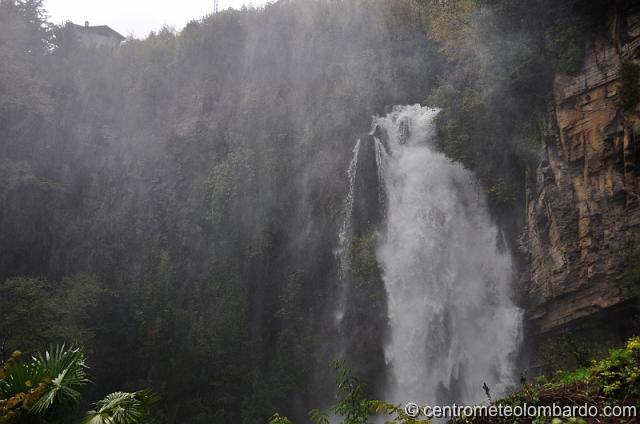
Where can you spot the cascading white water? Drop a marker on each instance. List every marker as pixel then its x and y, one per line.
pixel 344 235
pixel 453 325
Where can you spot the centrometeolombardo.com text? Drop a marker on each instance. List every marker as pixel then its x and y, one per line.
pixel 520 411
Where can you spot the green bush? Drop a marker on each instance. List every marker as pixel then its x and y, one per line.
pixel 363 261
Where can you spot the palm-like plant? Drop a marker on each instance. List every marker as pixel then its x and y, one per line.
pixel 66 371
pixel 46 389
pixel 44 386
pixel 122 408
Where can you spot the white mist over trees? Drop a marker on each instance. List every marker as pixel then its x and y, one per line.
pixel 185 191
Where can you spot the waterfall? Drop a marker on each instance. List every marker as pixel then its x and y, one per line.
pixel 453 325
pixel 344 235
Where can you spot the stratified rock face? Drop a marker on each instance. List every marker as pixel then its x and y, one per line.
pixel 583 209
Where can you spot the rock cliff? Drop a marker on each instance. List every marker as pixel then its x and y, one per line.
pixel 583 201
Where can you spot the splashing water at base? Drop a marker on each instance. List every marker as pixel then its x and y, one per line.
pixel 453 325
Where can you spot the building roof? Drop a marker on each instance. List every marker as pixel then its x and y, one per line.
pixel 103 30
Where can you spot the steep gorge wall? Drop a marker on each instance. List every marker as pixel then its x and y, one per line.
pixel 583 202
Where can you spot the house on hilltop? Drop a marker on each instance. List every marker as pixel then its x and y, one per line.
pixel 100 35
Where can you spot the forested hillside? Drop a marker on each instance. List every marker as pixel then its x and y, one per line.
pixel 174 204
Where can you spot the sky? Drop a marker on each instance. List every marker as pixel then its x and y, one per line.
pixel 136 17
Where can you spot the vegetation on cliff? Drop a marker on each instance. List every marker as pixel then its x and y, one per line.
pixel 502 57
